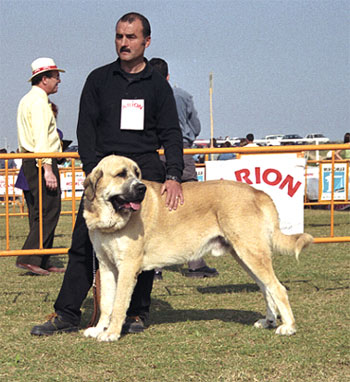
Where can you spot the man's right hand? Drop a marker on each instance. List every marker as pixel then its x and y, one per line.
pixel 50 177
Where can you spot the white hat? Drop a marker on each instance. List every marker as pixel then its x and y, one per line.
pixel 43 64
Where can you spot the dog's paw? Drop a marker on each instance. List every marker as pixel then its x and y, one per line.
pixel 286 330
pixel 93 332
pixel 265 324
pixel 108 337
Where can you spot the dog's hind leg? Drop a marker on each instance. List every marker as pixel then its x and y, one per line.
pixel 109 277
pixel 127 277
pixel 259 267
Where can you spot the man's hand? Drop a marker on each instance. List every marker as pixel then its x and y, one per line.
pixel 50 178
pixel 174 194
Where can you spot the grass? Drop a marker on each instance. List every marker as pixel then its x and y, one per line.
pixel 200 330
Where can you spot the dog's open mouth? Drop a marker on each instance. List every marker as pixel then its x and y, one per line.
pixel 119 203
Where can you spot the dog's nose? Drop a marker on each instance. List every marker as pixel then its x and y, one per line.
pixel 141 188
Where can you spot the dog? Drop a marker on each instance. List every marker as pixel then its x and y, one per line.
pixel 132 231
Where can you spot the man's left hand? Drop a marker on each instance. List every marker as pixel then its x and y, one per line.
pixel 174 194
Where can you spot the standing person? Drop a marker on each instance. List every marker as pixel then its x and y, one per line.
pixel 2 161
pixel 22 184
pixel 250 140
pixel 37 133
pixel 128 109
pixel 190 127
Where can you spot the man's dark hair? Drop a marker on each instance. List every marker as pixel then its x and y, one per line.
pixel 37 79
pixel 250 137
pixel 160 65
pixel 132 16
pixel 347 138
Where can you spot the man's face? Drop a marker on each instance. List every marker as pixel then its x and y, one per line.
pixel 51 83
pixel 129 41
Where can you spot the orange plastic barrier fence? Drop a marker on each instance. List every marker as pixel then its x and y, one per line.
pixel 12 199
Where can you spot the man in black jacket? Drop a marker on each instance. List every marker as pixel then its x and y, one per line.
pixel 128 109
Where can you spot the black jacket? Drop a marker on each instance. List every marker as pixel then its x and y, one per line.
pixel 99 130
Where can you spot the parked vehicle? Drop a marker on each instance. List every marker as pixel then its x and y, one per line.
pixel 293 139
pixel 273 140
pixel 316 138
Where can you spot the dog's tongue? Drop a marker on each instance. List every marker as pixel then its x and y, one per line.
pixel 135 206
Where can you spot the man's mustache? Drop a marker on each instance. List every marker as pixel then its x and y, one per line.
pixel 124 49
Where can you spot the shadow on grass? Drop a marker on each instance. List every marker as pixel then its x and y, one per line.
pixel 163 313
pixel 323 225
pixel 231 288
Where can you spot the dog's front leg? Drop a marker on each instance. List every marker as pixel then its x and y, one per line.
pixel 127 277
pixel 108 276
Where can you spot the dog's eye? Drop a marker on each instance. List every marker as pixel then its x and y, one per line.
pixel 122 174
pixel 137 173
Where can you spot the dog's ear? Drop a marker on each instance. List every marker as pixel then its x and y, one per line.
pixel 90 184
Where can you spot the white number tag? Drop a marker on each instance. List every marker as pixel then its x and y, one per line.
pixel 132 115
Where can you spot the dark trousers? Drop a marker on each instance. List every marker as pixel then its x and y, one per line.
pixel 51 208
pixel 79 274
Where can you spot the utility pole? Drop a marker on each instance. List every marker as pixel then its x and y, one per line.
pixel 211 112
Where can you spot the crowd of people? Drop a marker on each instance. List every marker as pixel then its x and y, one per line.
pixel 11 164
pixel 248 141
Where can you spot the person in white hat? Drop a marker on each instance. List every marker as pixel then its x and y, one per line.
pixel 37 133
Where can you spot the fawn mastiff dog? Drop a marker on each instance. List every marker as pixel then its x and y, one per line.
pixel 132 230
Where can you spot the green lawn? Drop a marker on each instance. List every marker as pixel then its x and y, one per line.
pixel 200 330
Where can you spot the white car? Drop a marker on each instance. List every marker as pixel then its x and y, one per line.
pixel 316 138
pixel 273 140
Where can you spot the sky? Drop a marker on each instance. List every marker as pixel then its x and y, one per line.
pixel 279 67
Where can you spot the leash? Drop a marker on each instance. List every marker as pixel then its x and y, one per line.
pixel 96 290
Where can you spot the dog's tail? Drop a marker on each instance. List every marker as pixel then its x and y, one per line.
pixel 290 244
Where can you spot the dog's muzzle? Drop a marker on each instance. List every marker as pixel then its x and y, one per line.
pixel 131 200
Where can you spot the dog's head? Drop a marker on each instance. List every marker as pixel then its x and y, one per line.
pixel 113 191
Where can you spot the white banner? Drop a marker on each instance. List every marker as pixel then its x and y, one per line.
pixel 12 190
pixel 280 175
pixel 67 182
pixel 66 185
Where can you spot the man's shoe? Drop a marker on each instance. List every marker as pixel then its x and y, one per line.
pixel 33 269
pixel 56 269
pixel 202 272
pixel 134 324
pixel 55 324
pixel 158 276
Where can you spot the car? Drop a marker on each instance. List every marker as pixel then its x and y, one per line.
pixel 292 139
pixel 273 140
pixel 316 138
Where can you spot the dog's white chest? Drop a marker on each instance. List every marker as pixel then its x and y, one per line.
pixel 112 246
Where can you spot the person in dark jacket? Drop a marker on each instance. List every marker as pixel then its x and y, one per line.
pixel 128 109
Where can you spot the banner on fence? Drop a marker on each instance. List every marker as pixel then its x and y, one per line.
pixel 339 181
pixel 66 184
pixel 280 175
pixel 12 190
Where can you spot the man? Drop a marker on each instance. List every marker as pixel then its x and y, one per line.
pixel 190 127
pixel 250 141
pixel 37 133
pixel 128 109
